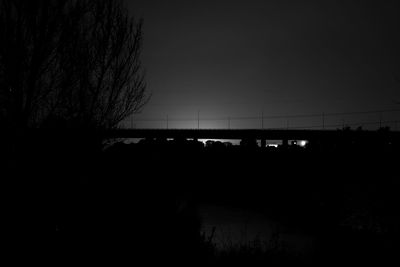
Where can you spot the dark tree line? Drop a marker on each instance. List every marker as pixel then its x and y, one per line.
pixel 64 65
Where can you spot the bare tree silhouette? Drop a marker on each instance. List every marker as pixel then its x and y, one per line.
pixel 78 61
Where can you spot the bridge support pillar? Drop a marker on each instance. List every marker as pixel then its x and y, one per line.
pixel 263 143
pixel 285 143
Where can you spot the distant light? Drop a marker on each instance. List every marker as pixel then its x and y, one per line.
pixel 272 145
pixel 303 143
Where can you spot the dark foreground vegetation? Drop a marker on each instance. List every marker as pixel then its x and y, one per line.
pixel 129 203
pixel 134 202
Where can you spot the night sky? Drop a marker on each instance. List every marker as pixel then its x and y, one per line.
pixel 241 58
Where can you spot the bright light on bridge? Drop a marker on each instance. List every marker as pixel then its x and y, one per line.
pixel 303 143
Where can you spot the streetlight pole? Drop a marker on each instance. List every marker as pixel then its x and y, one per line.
pixel 198 119
pixel 262 120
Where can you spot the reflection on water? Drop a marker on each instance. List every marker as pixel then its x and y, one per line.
pixel 236 226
